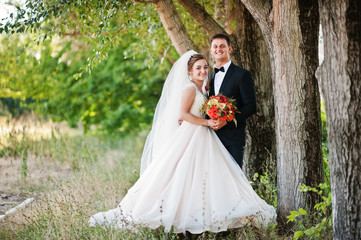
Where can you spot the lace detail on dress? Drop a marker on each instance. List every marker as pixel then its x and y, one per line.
pixel 198 100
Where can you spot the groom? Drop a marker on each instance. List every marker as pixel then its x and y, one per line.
pixel 233 82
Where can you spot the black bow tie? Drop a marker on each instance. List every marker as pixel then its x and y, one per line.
pixel 219 69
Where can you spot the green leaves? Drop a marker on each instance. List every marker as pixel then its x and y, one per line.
pixel 298 234
pixel 264 185
pixel 295 214
pixel 118 96
pixel 100 23
pixel 318 223
pixel 109 75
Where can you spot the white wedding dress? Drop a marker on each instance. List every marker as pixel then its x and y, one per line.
pixel 192 184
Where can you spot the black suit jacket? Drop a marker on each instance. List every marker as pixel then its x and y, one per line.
pixel 237 84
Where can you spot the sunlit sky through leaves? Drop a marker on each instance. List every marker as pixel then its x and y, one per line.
pixel 7 7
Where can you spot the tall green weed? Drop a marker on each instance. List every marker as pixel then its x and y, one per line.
pixel 265 185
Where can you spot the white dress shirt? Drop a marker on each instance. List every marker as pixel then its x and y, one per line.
pixel 219 76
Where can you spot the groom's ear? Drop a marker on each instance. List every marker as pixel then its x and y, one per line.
pixel 230 49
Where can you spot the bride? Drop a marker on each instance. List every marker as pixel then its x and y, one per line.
pixel 189 181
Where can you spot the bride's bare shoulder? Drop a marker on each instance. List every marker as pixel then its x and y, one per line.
pixel 190 85
pixel 189 90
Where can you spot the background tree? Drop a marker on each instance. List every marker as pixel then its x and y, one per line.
pixel 290 30
pixel 261 142
pixel 339 77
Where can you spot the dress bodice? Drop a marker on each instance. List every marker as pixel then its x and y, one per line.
pixel 198 101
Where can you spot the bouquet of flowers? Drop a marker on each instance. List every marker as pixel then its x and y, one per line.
pixel 220 108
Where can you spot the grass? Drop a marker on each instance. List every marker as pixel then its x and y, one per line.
pixel 73 176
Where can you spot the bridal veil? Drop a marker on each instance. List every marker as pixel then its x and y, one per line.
pixel 166 115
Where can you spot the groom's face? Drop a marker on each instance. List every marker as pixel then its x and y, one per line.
pixel 220 50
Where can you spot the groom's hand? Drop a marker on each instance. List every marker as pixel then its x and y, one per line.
pixel 212 123
pixel 219 124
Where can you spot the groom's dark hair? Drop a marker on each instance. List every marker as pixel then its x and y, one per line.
pixel 221 36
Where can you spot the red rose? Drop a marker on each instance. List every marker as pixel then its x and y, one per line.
pixel 223 99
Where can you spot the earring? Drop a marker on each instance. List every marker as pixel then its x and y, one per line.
pixel 189 77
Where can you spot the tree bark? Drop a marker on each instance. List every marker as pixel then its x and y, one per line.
pixel 261 139
pixel 174 26
pixel 290 29
pixel 339 77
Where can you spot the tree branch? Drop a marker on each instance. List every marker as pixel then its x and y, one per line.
pixel 174 26
pixel 260 9
pixel 205 20
pixel 230 14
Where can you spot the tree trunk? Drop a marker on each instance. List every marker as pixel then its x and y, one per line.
pixel 339 77
pixel 261 139
pixel 174 26
pixel 297 101
pixel 290 29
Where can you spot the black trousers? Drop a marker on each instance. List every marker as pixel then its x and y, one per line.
pixel 237 152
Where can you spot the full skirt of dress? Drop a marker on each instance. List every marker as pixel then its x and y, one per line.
pixel 193 184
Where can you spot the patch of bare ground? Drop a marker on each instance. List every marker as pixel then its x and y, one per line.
pixel 39 169
pixel 40 172
pixel 8 201
pixel 19 139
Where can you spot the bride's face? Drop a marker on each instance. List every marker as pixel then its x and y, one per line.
pixel 199 70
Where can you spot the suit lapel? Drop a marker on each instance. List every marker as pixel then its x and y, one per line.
pixel 227 78
pixel 211 85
